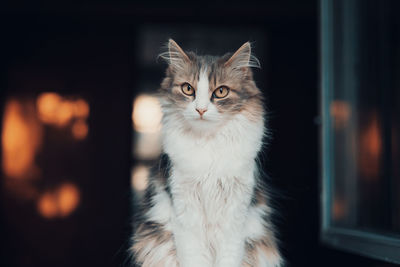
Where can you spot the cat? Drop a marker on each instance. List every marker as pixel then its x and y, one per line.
pixel 204 205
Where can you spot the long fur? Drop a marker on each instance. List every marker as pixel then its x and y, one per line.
pixel 205 205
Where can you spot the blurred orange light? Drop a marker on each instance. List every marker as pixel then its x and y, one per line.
pixel 80 129
pixel 47 205
pixel 54 109
pixel 339 208
pixel 371 149
pixel 60 202
pixel 47 105
pixel 68 199
pixel 21 138
pixel 64 113
pixel 81 109
pixel 146 114
pixel 340 112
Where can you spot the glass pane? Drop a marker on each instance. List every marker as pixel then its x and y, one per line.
pixel 365 116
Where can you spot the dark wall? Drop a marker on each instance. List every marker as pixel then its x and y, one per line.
pixel 92 50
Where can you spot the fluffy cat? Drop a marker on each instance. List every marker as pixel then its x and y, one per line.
pixel 204 205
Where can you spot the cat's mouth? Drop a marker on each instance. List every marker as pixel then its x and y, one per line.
pixel 201 118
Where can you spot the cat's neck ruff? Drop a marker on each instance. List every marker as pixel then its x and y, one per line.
pixel 228 152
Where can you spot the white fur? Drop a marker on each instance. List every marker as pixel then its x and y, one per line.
pixel 254 227
pixel 162 208
pixel 208 172
pixel 212 183
pixel 202 93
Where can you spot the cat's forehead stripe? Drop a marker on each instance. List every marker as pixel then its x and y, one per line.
pixel 202 89
pixel 203 79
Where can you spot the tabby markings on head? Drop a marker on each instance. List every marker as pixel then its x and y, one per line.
pixel 206 91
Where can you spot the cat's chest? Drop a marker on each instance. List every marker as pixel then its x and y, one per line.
pixel 218 157
pixel 210 200
pixel 229 152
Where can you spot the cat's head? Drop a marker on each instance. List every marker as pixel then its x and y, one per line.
pixel 204 92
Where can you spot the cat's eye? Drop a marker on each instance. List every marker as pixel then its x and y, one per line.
pixel 221 92
pixel 187 89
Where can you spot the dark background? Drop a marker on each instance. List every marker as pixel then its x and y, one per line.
pixel 98 51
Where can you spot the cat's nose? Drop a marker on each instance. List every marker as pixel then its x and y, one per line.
pixel 201 111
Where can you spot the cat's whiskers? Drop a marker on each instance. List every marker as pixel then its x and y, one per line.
pixel 206 206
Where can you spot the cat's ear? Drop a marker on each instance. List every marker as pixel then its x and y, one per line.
pixel 175 56
pixel 243 59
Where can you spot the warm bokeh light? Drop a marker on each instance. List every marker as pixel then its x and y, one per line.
pixel 340 113
pixel 68 199
pixel 56 110
pixel 60 202
pixel 47 205
pixel 64 113
pixel 80 129
pixel 21 139
pixel 370 149
pixel 339 209
pixel 81 109
pixel 147 145
pixel 47 106
pixel 146 114
pixel 139 177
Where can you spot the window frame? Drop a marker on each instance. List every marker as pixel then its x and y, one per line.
pixel 369 244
